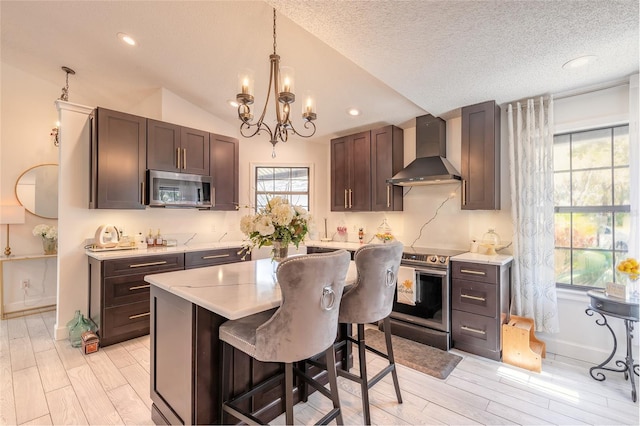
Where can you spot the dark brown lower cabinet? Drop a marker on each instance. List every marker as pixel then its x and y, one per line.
pixel 480 296
pixel 186 371
pixel 119 295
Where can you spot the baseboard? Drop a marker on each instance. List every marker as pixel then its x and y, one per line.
pixel 590 354
pixel 15 309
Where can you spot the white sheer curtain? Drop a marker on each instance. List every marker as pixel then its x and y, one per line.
pixel 531 173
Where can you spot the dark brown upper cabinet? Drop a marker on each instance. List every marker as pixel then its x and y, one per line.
pixel 179 149
pixel 118 160
pixel 351 172
pixel 387 159
pixel 225 164
pixel 481 156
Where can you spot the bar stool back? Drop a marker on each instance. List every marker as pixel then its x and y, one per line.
pixel 368 301
pixel 304 325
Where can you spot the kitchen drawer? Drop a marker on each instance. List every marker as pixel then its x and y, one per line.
pixel 200 259
pixel 475 297
pixel 144 265
pixel 475 272
pixel 124 322
pixel 125 289
pixel 476 334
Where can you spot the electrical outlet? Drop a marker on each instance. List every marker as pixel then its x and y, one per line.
pixel 25 283
pixel 213 227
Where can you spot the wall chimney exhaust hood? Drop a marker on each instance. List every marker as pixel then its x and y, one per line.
pixel 431 165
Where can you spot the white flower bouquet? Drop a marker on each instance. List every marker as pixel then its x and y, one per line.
pixel 277 221
pixel 46 231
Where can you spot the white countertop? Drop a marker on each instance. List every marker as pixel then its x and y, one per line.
pixel 496 259
pixel 124 254
pixel 234 290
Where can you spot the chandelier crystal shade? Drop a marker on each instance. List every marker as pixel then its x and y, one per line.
pixel 281 81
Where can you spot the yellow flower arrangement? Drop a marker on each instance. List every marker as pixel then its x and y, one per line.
pixel 630 267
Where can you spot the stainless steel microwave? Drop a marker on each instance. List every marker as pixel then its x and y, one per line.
pixel 168 189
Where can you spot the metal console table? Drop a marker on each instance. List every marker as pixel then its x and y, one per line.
pixel 627 311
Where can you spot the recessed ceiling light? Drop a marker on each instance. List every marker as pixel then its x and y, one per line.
pixel 579 62
pixel 353 112
pixel 232 103
pixel 127 39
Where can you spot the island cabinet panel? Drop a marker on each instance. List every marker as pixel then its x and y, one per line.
pixel 225 174
pixel 479 306
pixel 387 159
pixel 118 160
pixel 186 379
pixel 480 168
pixel 119 295
pixel 199 259
pixel 163 145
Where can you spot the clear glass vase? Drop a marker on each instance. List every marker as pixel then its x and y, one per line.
pixel 280 251
pixel 50 245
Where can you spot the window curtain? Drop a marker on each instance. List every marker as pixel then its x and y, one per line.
pixel 532 210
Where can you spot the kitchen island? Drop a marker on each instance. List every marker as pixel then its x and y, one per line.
pixel 187 309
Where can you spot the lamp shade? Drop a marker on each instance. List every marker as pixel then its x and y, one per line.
pixel 11 215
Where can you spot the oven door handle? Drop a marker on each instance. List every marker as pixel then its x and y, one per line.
pixel 438 272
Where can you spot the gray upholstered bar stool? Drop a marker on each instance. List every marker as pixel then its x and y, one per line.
pixel 305 325
pixel 370 300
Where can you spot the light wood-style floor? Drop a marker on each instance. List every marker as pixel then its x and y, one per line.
pixel 48 382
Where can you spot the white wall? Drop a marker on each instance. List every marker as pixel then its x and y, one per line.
pixel 27 114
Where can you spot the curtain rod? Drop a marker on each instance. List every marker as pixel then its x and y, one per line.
pixel 571 93
pixel 591 89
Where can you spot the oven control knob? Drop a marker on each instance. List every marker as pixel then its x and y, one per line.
pixel 443 259
pixel 433 259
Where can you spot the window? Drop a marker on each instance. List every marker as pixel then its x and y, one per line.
pixel 592 213
pixel 291 183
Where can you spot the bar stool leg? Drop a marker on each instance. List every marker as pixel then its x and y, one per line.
pixel 394 371
pixel 364 382
pixel 288 380
pixel 333 382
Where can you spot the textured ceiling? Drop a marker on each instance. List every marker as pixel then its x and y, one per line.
pixel 393 59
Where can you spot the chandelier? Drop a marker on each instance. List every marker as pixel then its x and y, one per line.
pixel 281 81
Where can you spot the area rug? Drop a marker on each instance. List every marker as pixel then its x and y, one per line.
pixel 426 359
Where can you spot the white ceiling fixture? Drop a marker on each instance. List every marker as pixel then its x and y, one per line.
pixel 579 62
pixel 354 112
pixel 126 38
pixel 281 79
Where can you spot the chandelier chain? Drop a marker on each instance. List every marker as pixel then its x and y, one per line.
pixel 274 31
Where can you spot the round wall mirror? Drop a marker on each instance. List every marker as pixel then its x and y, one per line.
pixel 37 190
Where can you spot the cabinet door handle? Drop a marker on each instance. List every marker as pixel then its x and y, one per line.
pixel 468 296
pixel 350 198
pixel 177 158
pixel 346 205
pixel 473 330
pixel 138 287
pixel 468 271
pixel 464 192
pixel 146 314
pixel 141 265
pixel 184 158
pixel 215 256
pixel 142 193
pixel 388 196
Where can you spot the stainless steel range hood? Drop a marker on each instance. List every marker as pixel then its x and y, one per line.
pixel 431 165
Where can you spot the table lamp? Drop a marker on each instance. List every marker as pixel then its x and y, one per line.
pixel 11 215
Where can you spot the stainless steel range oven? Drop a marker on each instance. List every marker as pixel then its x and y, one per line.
pixel 422 309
